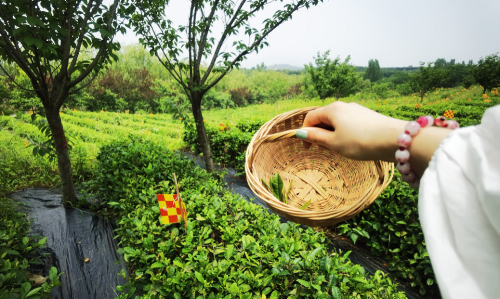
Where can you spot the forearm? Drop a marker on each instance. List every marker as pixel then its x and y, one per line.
pixel 422 147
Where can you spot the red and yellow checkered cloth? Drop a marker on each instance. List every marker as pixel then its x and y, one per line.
pixel 172 209
pixel 449 113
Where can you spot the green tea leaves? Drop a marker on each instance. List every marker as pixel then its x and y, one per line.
pixel 305 205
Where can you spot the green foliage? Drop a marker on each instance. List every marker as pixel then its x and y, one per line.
pixel 278 188
pixel 5 93
pixel 46 146
pixel 427 78
pixel 214 99
pixel 228 146
pixel 16 255
pixel 382 90
pixel 331 78
pixel 404 89
pixel 391 229
pixel 20 169
pixel 487 72
pixel 231 248
pixel 115 90
pixel 373 72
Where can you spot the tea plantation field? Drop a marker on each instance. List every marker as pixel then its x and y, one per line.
pixel 230 249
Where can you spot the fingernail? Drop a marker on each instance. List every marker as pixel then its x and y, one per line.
pixel 301 134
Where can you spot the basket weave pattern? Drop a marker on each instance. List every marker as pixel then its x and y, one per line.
pixel 339 188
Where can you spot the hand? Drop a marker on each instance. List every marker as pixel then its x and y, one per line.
pixel 359 133
pixel 353 131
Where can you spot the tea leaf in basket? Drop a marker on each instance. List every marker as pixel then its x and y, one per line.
pixel 286 192
pixel 305 205
pixel 265 185
pixel 276 184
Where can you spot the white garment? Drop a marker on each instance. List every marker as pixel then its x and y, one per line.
pixel 459 210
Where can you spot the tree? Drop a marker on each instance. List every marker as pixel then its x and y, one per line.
pixel 331 78
pixel 427 78
pixel 45 39
pixel 261 67
pixel 487 72
pixel 373 72
pixel 164 39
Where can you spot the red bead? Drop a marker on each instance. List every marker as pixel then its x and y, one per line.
pixel 402 148
pixel 407 132
pixel 422 121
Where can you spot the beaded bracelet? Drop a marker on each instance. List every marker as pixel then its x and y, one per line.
pixel 404 140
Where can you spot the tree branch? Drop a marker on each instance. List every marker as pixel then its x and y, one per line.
pixel 256 43
pixel 221 42
pixel 203 37
pixel 104 43
pixel 14 81
pixel 83 28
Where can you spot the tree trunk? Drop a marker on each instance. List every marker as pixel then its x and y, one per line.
pixel 63 161
pixel 484 90
pixel 202 133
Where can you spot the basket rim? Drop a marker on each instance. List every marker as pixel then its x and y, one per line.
pixel 365 199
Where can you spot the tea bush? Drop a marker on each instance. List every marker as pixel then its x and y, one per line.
pixel 17 254
pixel 231 248
pixel 228 146
pixel 390 228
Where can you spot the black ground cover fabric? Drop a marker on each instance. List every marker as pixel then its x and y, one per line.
pixel 72 237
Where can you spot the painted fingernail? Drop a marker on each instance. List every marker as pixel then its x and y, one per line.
pixel 301 134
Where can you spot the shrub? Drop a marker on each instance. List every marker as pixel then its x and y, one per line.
pixel 231 248
pixel 241 96
pixel 391 229
pixel 228 146
pixel 213 99
pixel 17 250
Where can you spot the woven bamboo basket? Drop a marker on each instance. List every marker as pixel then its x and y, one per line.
pixel 339 188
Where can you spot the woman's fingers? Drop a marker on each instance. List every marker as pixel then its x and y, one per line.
pixel 317 118
pixel 314 135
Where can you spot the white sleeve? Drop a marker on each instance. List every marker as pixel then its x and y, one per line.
pixel 459 208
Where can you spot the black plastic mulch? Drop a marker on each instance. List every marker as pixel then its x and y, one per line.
pixel 73 236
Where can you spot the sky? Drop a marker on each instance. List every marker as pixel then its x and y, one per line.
pixel 396 32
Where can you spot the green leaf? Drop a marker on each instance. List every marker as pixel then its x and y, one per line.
pixel 276 184
pixel 336 293
pixel 157 265
pixel 358 279
pixel 25 240
pixel 31 40
pixel 199 276
pixel 274 295
pixel 314 252
pixel 53 273
pixel 304 283
pixel 266 185
pixel 354 237
pixel 42 241
pixel 430 281
pixel 33 292
pixel 401 222
pixel 306 205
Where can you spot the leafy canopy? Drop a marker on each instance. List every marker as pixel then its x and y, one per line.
pixel 373 72
pixel 427 78
pixel 487 72
pixel 46 39
pixel 332 78
pixel 196 56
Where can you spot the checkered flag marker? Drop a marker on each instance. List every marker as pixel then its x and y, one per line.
pixel 172 208
pixel 449 113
